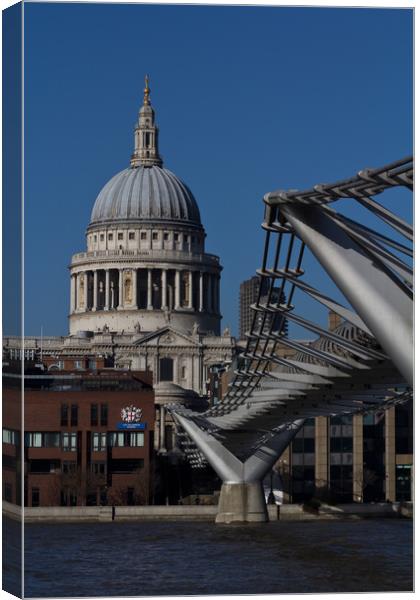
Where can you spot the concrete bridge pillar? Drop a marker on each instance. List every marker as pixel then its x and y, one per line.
pixel 243 502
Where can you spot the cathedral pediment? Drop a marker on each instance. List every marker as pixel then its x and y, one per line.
pixel 168 336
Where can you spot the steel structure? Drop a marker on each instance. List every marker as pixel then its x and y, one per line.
pixel 365 364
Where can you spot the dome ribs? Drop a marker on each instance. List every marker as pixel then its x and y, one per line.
pixel 115 199
pixel 173 198
pixel 135 207
pixel 145 193
pixel 129 193
pixel 158 200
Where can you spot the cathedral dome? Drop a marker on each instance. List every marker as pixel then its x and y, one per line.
pixel 145 267
pixel 145 193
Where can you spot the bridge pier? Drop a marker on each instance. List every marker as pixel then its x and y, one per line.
pixel 243 502
pixel 241 497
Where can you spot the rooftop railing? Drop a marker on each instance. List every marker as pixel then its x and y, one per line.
pixel 170 255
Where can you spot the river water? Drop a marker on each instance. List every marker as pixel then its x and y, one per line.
pixel 171 558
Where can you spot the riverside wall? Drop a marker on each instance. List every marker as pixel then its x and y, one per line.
pixel 284 512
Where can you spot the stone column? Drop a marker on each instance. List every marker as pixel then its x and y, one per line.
pixel 134 272
pixel 120 289
pixel 209 306
pixel 164 290
pixel 321 453
pixel 95 290
pixel 106 307
pixel 177 290
pixel 358 458
pixel 390 455
pixel 78 295
pixel 162 447
pixel 190 290
pixel 200 293
pixel 204 379
pixel 85 289
pixel 149 289
pixel 156 437
pixel 76 292
pixel 214 278
pixel 72 294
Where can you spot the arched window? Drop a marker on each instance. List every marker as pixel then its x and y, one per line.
pixel 166 369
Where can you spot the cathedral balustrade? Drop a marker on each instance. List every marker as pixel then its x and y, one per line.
pixel 155 255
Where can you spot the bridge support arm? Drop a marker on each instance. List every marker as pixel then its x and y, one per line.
pixel 242 496
pixel 367 284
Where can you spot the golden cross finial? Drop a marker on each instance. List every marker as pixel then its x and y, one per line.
pixel 146 99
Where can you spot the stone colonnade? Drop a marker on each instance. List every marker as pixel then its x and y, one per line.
pixel 144 288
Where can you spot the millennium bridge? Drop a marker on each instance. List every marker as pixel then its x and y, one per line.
pixel 351 231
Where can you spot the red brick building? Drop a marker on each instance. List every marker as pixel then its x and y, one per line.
pixel 88 437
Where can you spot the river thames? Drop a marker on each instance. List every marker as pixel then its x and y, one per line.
pixel 182 558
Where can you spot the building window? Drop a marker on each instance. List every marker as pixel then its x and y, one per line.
pixel 102 237
pixel 183 372
pixel 98 468
pixel 9 437
pixel 120 236
pixel 95 238
pixel 74 415
pixel 38 439
pixel 341 481
pixel 69 467
pixel 78 364
pixel 166 369
pixel 303 463
pixel 60 365
pixel 104 415
pixel 69 442
pixel 34 440
pixel 43 466
pixel 136 439
pixel 176 237
pixel 341 440
pixel 9 462
pixel 93 414
pixel 92 365
pixel 35 497
pixel 143 235
pixel 51 440
pixel 116 439
pixel 403 482
pixel 110 236
pixel 7 494
pixel 126 439
pixel 126 465
pixel 131 235
pixel 64 415
pixel 166 236
pixel 341 458
pixel 68 497
pixel 98 442
pixel 155 235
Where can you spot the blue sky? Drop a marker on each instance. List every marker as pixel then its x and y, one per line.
pixel 248 99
